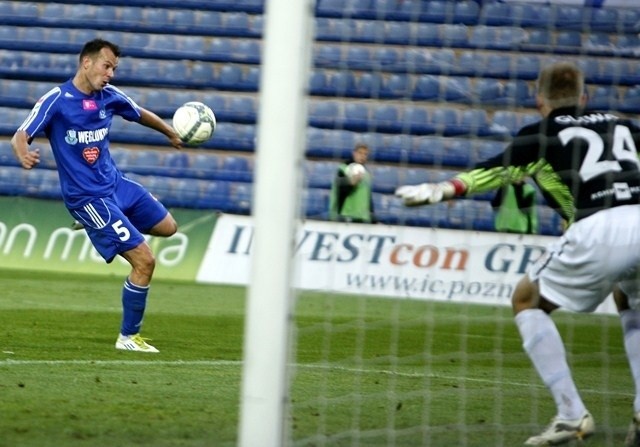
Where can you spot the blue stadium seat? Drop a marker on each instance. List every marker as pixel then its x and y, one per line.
pixel 397 33
pixel 416 120
pixel 426 87
pixel 426 34
pixel 385 178
pixel 549 221
pixel 414 176
pixel 328 56
pixel 209 20
pixel 229 77
pixel 324 113
pixel 242 109
pixel 534 15
pixel 328 29
pixel 387 58
pixel 11 180
pixel 342 83
pixel 315 203
pixel 215 195
pixel 368 85
pixel 320 174
pixel 456 152
pixel 455 36
pixel 7 157
pixel 598 43
pixel 496 14
pixel 538 40
pixel 446 121
pixel 356 116
pixel 181 20
pixel 205 166
pixel 386 118
pixel 605 97
pixel 176 164
pixel 396 86
pixel 570 17
pixel 247 51
pixel 428 151
pixel 220 49
pixel 394 148
pixel 319 84
pixel 630 101
pixel 146 162
pixel 240 197
pixel 457 89
pixel 184 193
pixel 567 42
pixel 236 168
pixel 157 16
pixel 236 24
pixel 466 12
pixel 48 185
pixel 527 66
pixel 359 58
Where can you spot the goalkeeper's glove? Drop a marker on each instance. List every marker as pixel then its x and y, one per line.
pixel 426 193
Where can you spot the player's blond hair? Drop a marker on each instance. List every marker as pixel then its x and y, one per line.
pixel 561 85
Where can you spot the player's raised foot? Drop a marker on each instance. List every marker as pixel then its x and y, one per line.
pixel 633 435
pixel 561 431
pixel 77 225
pixel 134 343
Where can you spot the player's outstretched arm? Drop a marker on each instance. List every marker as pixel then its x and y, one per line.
pixel 150 119
pixel 20 144
pixel 428 193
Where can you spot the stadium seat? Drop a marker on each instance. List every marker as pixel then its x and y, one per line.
pixel 396 86
pixel 146 162
pixel 206 166
pixel 426 87
pixel 246 51
pixel 7 157
pixel 397 33
pixel 236 24
pixel 368 85
pixel 342 83
pixel 176 164
pixel 416 120
pixel 320 174
pixel 457 89
pixel 570 17
pixel 567 42
pixel 236 169
pixel 456 152
pixel 454 36
pixel 240 197
pixel 385 179
pixel 214 195
pixel 315 203
pixel 386 118
pixel 604 97
pixel 184 193
pixel 328 56
pixel 324 114
pixel 356 116
pixel 630 101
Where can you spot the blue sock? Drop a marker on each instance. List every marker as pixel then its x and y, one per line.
pixel 134 300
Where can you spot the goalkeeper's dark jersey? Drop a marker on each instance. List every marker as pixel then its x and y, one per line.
pixel 583 162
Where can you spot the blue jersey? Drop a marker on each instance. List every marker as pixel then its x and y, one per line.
pixel 77 126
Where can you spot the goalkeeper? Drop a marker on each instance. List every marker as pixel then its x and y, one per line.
pixel 586 165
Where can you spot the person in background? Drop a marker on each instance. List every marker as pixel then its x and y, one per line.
pixel 515 208
pixel 114 210
pixel 351 199
pixel 586 164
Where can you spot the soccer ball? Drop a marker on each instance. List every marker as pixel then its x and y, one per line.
pixel 194 122
pixel 355 169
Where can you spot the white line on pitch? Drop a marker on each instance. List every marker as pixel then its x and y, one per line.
pixel 237 363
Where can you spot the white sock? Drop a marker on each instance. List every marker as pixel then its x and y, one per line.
pixel 542 342
pixel 630 320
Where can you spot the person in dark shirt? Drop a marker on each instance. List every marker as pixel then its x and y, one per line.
pixel 585 163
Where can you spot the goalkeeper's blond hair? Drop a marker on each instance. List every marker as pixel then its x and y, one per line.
pixel 561 85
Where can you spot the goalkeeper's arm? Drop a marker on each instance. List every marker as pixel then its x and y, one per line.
pixel 466 183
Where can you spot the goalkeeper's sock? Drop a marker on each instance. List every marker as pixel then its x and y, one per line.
pixel 543 344
pixel 134 301
pixel 630 320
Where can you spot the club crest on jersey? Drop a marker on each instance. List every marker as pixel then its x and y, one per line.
pixel 89 104
pixel 102 114
pixel 71 137
pixel 91 154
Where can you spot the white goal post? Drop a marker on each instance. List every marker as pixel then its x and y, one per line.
pixel 282 122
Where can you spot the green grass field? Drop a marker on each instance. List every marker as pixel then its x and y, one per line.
pixel 366 372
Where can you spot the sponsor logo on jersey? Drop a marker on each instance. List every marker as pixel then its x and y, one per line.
pixel 91 154
pixel 89 104
pixel 71 137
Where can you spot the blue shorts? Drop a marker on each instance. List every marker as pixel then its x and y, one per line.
pixel 116 224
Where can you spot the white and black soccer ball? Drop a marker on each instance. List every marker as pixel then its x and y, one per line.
pixel 194 122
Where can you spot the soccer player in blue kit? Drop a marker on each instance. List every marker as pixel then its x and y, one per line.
pixel 115 211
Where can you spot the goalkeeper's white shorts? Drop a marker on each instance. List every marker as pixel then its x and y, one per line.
pixel 579 270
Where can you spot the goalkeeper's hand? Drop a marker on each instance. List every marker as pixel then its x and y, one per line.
pixel 426 193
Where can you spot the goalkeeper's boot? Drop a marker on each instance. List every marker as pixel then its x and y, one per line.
pixel 633 435
pixel 77 225
pixel 561 431
pixel 134 343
